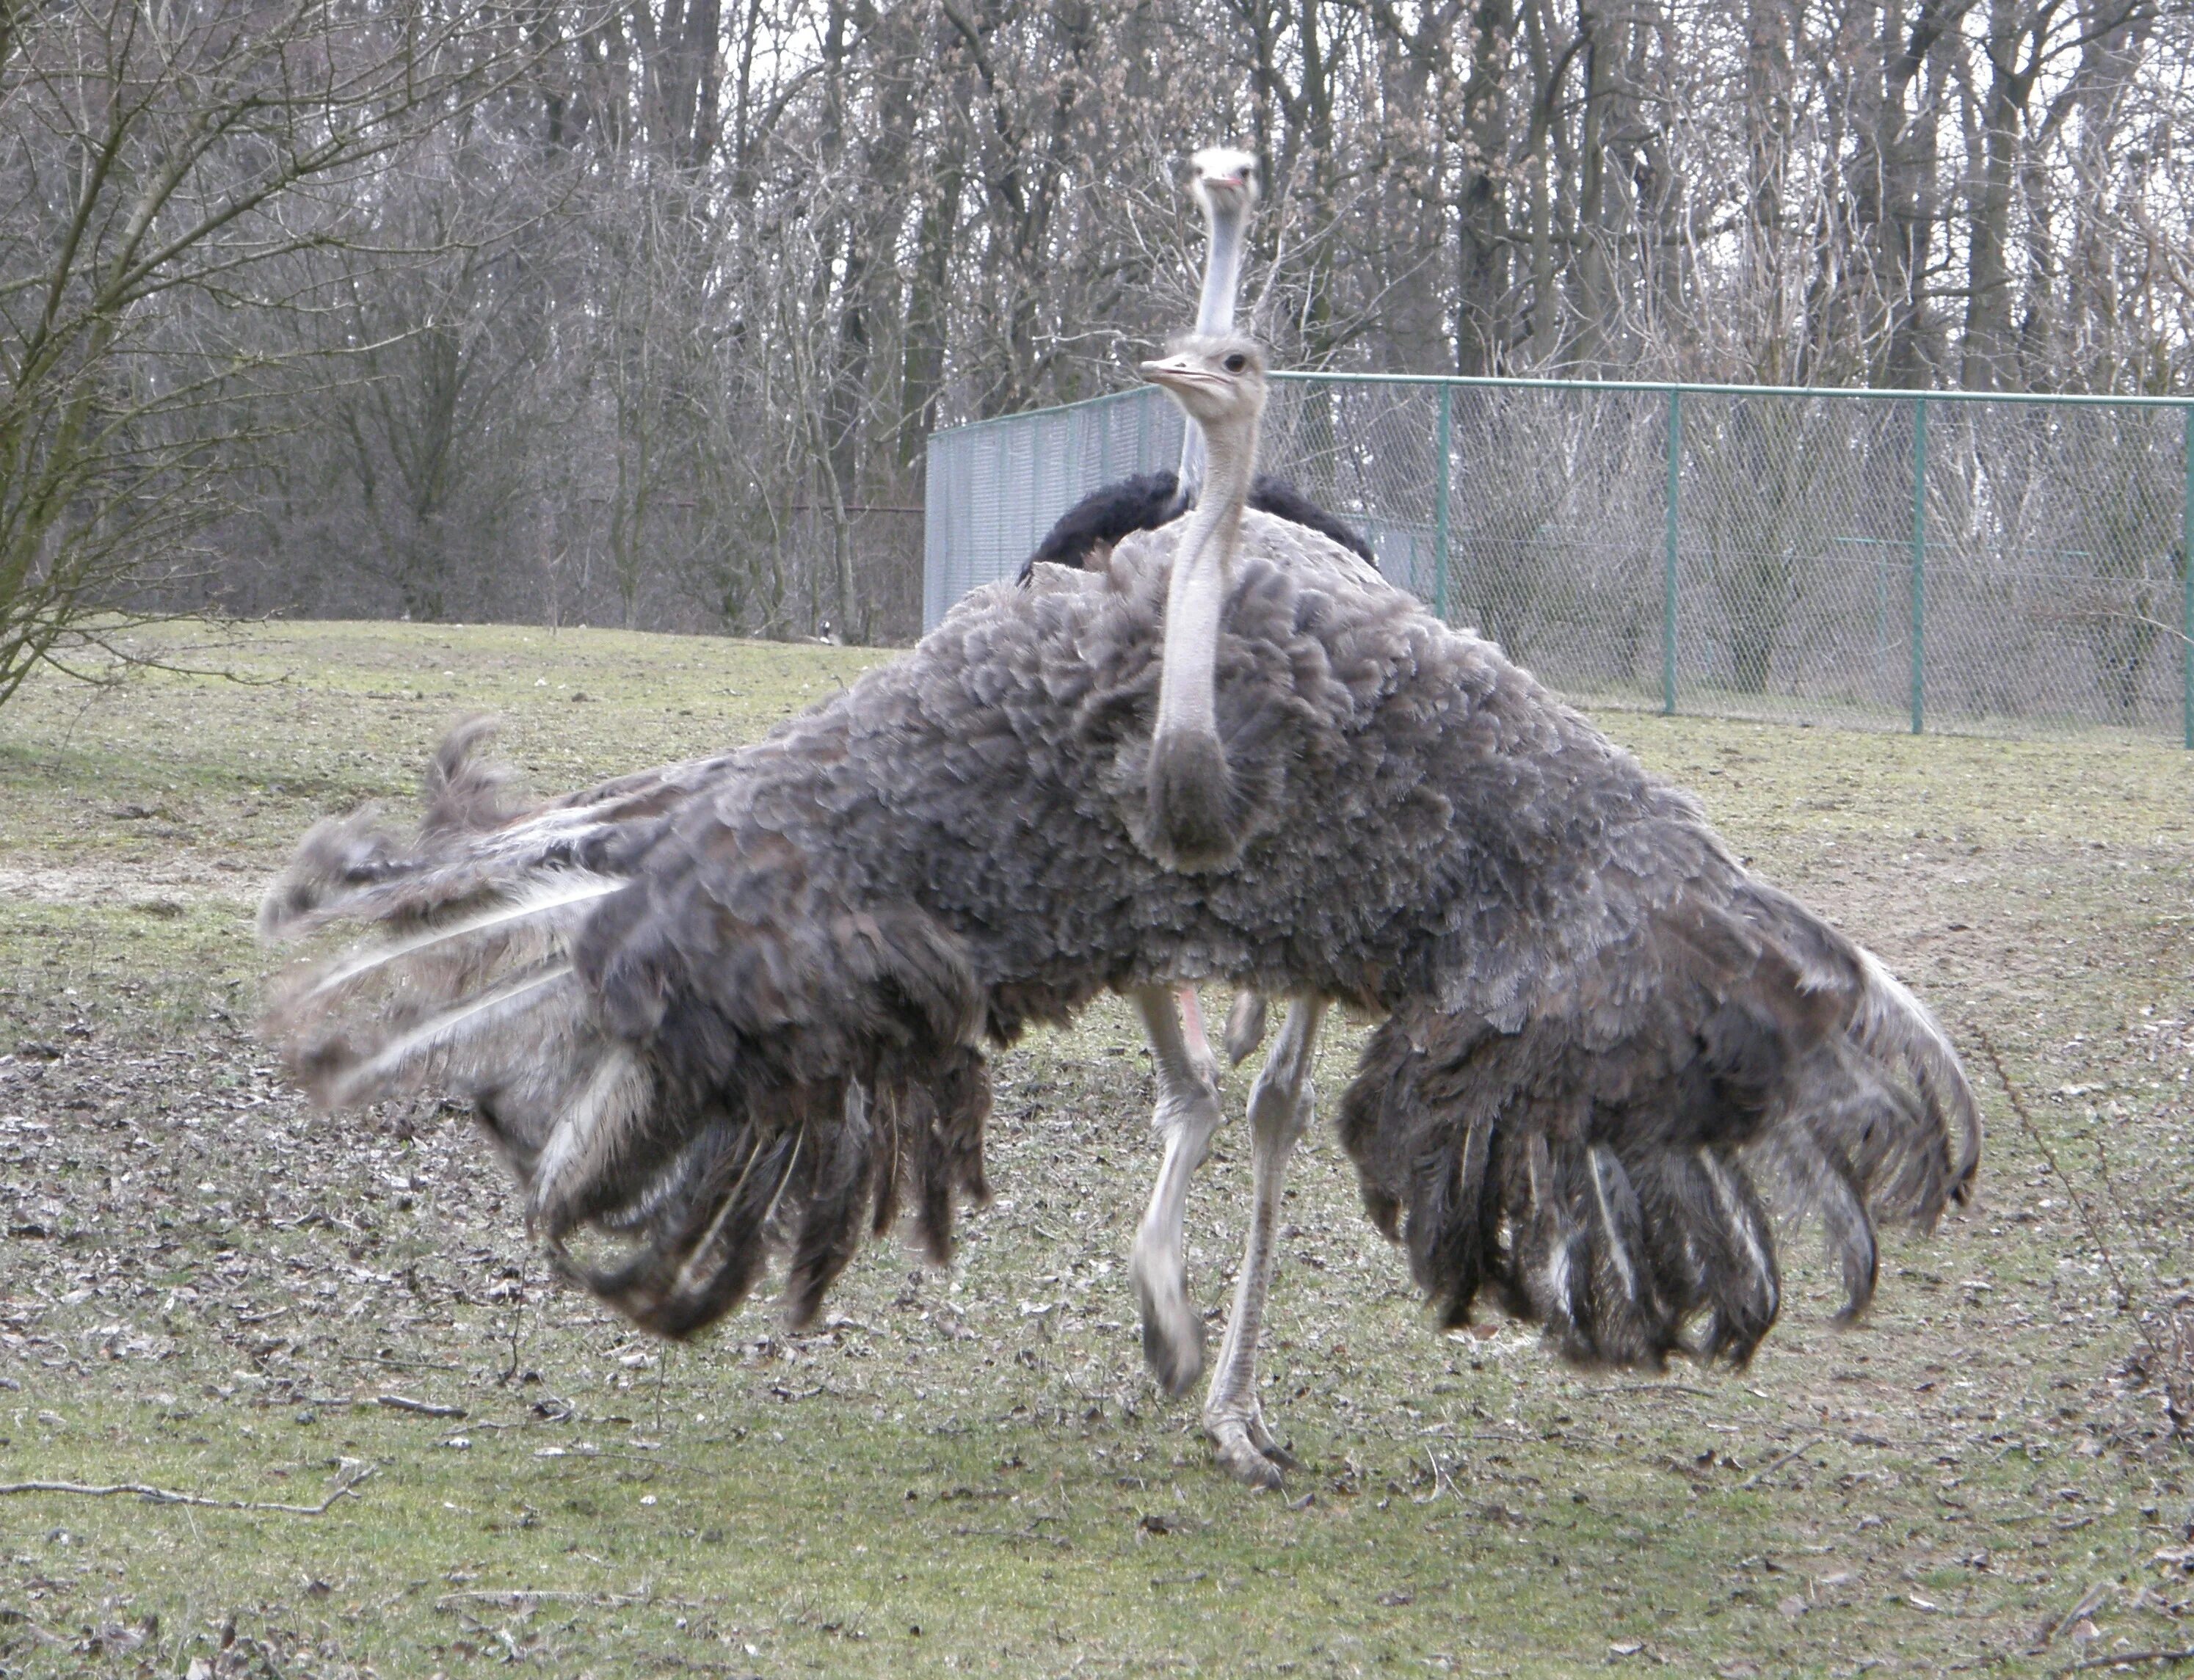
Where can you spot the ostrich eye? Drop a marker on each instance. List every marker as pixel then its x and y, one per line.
pixel 1235 363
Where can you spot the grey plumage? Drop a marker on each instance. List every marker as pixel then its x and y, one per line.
pixel 468 983
pixel 767 1030
pixel 1590 1167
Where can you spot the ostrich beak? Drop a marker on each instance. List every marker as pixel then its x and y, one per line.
pixel 1179 373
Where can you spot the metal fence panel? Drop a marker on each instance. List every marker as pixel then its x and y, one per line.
pixel 1794 558
pixel 1894 559
pixel 995 487
pixel 2054 564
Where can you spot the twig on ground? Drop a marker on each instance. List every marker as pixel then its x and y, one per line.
pixel 2085 1605
pixel 1769 1469
pixel 1654 1388
pixel 1025 1535
pixel 152 1495
pixel 398 1364
pixel 2093 1226
pixel 2123 1659
pixel 261 1317
pixel 397 1402
pixel 662 1372
pixel 512 1595
pixel 517 1335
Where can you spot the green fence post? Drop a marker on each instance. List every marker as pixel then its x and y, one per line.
pixel 2186 583
pixel 1919 561
pixel 1439 504
pixel 1668 555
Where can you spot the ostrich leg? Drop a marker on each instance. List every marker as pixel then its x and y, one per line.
pixel 1187 1116
pixel 1197 1035
pixel 1281 1105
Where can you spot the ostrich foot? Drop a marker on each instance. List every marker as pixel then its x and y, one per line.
pixel 1247 1452
pixel 1245 1026
pixel 1172 1329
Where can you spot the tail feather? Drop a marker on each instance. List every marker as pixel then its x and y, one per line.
pixel 1632 1302
pixel 513 917
pixel 593 1165
pixel 705 1244
pixel 468 791
pixel 1819 1174
pixel 701 1257
pixel 1744 1291
pixel 835 1216
pixel 1892 1023
pixel 1592 1167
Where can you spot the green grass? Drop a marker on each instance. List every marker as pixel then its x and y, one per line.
pixel 206 1287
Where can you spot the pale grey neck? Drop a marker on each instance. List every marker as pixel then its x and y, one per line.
pixel 1231 462
pixel 1222 273
pixel 1196 596
pixel 1192 467
pixel 1214 316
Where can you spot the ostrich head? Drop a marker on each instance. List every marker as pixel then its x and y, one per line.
pixel 1219 381
pixel 1224 182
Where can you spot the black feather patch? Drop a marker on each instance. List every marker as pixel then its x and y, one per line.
pixel 1093 526
pixel 1089 531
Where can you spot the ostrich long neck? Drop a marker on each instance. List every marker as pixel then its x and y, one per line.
pixel 1197 593
pixel 1222 267
pixel 1226 218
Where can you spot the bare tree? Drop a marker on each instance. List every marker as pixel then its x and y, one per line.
pixel 641 315
pixel 156 164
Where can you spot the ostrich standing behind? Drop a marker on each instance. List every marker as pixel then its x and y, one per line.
pixel 740 1008
pixel 1224 182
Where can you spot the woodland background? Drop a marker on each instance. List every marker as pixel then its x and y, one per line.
pixel 640 314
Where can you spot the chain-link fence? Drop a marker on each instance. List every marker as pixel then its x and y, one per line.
pixel 1894 559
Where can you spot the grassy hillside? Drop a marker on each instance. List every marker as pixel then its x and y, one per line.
pixel 207 1288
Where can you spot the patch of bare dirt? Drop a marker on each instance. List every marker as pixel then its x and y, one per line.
pixel 176 875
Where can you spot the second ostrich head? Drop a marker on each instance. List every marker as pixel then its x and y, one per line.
pixel 1225 183
pixel 1219 383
